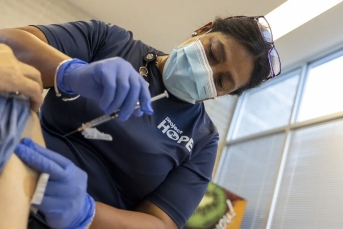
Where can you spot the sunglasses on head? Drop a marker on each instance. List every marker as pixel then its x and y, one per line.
pixel 266 32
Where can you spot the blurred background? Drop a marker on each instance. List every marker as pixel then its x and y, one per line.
pixel 281 144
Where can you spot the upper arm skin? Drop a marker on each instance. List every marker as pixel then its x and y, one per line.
pixel 149 208
pixel 29 45
pixel 35 31
pixel 18 182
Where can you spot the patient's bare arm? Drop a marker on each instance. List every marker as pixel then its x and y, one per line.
pixel 18 182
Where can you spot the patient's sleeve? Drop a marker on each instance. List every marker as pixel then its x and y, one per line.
pixel 18 182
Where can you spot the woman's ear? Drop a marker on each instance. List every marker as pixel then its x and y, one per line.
pixel 203 29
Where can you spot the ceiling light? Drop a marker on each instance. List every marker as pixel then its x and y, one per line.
pixel 293 13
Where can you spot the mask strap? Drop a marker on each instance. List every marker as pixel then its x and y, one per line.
pixel 203 34
pixel 198 40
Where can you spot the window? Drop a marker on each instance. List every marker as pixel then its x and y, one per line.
pixel 267 107
pixel 311 189
pixel 284 150
pixel 323 92
pixel 251 170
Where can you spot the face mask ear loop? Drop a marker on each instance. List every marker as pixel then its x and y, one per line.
pixel 203 35
pixel 198 40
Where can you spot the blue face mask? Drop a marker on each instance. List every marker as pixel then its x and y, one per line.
pixel 188 75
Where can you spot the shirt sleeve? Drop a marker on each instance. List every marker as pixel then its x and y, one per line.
pixel 87 40
pixel 14 112
pixel 184 187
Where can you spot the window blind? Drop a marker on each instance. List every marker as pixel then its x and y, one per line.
pixel 250 170
pixel 311 191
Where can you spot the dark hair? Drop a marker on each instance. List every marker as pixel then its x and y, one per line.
pixel 246 31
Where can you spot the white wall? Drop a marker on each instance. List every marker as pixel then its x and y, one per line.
pixel 15 13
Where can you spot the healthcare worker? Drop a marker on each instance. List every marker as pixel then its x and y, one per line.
pixel 149 171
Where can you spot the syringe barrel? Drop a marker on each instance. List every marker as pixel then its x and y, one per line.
pixel 100 120
pixel 106 118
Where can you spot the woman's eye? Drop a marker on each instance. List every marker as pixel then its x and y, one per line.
pixel 220 82
pixel 211 54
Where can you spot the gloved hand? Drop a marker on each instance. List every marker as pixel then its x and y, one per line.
pixel 66 203
pixel 112 82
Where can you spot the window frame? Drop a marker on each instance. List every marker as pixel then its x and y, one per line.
pixel 307 67
pixel 243 99
pixel 303 72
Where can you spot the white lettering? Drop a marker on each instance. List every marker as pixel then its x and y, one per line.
pixel 183 139
pixel 171 130
pixel 189 145
pixel 172 125
pixel 166 127
pixel 227 218
pixel 172 134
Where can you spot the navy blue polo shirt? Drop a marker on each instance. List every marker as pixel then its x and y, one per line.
pixel 166 158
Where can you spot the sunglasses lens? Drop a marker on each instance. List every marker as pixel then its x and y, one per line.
pixel 265 29
pixel 275 62
pixel 266 32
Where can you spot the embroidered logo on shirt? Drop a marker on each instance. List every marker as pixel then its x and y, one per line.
pixel 171 130
pixel 94 133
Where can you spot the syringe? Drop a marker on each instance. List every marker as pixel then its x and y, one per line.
pixel 106 118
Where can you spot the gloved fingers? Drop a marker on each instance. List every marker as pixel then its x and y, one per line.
pixel 145 97
pixel 52 204
pixel 73 184
pixel 61 212
pixel 48 154
pixel 109 89
pixel 34 160
pixel 121 92
pixel 138 112
pixel 64 203
pixel 131 99
pixel 60 189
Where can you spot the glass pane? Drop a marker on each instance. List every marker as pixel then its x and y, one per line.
pixel 267 108
pixel 250 170
pixel 311 189
pixel 220 111
pixel 323 91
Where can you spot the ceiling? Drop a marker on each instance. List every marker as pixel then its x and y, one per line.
pixel 165 24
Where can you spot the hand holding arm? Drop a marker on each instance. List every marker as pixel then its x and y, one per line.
pixel 66 203
pixel 16 76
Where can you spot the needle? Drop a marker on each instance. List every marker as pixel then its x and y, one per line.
pixel 106 118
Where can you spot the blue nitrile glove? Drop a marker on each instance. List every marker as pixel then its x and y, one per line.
pixel 112 82
pixel 66 203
